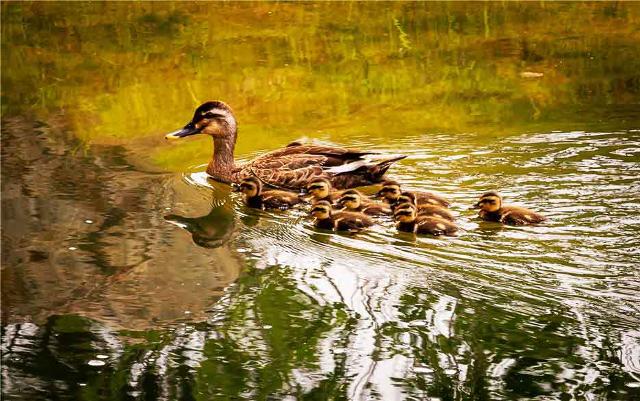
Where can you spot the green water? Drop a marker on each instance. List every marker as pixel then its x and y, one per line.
pixel 126 274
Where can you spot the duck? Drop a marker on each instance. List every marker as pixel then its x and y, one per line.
pixel 353 201
pixel 321 189
pixel 325 218
pixel 290 167
pixel 492 209
pixel 408 221
pixel 256 198
pixel 391 191
pixel 423 209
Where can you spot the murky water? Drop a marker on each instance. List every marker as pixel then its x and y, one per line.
pixel 126 274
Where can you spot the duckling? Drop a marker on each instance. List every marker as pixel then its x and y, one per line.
pixel 352 200
pixel 391 191
pixel 423 209
pixel 320 189
pixel 491 209
pixel 255 197
pixel 327 219
pixel 409 221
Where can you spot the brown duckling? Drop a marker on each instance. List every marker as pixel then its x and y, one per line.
pixel 424 209
pixel 391 192
pixel 321 189
pixel 327 219
pixel 409 221
pixel 255 197
pixel 353 201
pixel 492 209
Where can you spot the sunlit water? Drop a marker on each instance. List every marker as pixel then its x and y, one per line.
pixel 128 275
pixel 497 312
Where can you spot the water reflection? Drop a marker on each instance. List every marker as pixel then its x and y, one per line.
pixel 211 230
pixel 123 282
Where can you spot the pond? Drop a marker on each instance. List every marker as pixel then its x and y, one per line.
pixel 127 274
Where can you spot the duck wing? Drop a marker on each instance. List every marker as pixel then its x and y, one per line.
pixel 294 166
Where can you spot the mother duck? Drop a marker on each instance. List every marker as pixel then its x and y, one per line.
pixel 290 167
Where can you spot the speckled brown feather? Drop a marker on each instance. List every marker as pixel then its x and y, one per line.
pixel 294 166
pixel 434 210
pixel 519 216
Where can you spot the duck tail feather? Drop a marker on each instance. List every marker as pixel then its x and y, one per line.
pixel 377 171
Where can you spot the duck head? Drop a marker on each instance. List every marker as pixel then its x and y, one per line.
pixel 390 191
pixel 250 187
pixel 321 210
pixel 213 118
pixel 489 202
pixel 319 188
pixel 351 199
pixel 405 213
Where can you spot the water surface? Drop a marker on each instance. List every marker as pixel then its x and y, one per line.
pixel 126 274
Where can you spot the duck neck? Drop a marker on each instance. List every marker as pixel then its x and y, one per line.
pixel 222 164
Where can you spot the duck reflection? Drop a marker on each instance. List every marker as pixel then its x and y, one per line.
pixel 211 230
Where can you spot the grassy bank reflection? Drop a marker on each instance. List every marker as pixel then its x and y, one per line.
pixel 126 73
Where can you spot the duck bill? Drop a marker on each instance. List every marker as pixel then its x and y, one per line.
pixel 187 130
pixel 475 206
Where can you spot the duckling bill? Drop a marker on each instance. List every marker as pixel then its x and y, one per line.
pixel 256 198
pixel 492 209
pixel 327 219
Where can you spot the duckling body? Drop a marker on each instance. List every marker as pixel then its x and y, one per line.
pixel 256 198
pixel 429 225
pixel 290 167
pixel 353 201
pixel 391 191
pixel 326 218
pixel 408 221
pixel 491 209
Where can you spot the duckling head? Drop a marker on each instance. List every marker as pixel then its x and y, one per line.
pixel 390 190
pixel 489 202
pixel 251 187
pixel 319 188
pixel 321 210
pixel 405 213
pixel 405 198
pixel 213 118
pixel 351 199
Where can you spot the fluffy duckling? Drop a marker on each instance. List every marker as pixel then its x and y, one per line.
pixel 320 189
pixel 492 209
pixel 255 197
pixel 391 192
pixel 409 221
pixel 424 209
pixel 327 219
pixel 353 201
